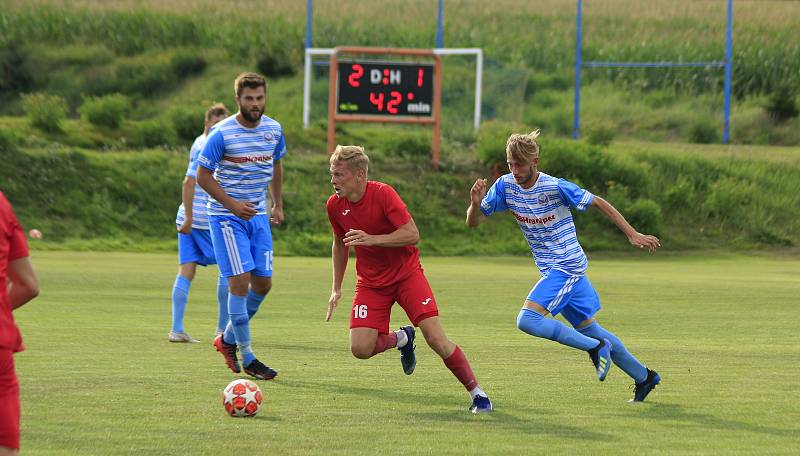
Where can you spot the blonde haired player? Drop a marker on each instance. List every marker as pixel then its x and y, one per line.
pixel 541 204
pixel 370 217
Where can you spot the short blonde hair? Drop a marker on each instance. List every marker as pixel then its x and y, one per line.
pixel 351 156
pixel 217 110
pixel 523 147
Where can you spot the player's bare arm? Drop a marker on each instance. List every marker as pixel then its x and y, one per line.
pixel 636 238
pixel 187 196
pixel 339 256
pixel 476 194
pixel 276 187
pixel 23 284
pixel 244 211
pixel 401 237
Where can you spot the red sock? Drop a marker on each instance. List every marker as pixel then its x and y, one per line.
pixel 458 364
pixel 384 342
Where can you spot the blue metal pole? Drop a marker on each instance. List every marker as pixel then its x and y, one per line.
pixel 728 64
pixel 439 34
pixel 578 39
pixel 309 15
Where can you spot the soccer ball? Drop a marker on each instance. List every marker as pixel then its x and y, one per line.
pixel 242 398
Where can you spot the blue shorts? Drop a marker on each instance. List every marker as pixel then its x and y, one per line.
pixel 196 247
pixel 242 246
pixel 572 296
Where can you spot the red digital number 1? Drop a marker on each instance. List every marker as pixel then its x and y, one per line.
pixel 420 72
pixel 358 71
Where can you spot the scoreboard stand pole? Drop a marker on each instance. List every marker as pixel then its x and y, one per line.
pixel 434 119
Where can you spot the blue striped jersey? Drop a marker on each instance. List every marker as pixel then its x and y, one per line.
pixel 542 213
pixel 199 210
pixel 243 160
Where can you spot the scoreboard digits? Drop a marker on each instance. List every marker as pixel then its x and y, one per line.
pixel 376 88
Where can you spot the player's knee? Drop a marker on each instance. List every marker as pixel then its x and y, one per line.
pixel 361 351
pixel 438 342
pixel 530 322
pixel 262 289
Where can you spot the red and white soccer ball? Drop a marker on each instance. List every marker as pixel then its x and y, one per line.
pixel 242 398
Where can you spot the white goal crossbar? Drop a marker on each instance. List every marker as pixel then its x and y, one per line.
pixel 477 52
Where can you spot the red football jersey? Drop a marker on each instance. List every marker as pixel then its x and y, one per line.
pixel 12 247
pixel 379 211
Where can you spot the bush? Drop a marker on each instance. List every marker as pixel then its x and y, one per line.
pixel 145 78
pixel 274 64
pixel 187 122
pixel 600 134
pixel 728 199
pixel 107 111
pixel 645 216
pixel 186 63
pixel 45 111
pixel 704 132
pixel 8 140
pixel 680 196
pixel 16 73
pixel 154 133
pixel 782 104
pixel 409 145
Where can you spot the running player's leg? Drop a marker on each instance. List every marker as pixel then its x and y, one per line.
pixel 550 294
pixel 416 298
pixel 581 312
pixel 369 322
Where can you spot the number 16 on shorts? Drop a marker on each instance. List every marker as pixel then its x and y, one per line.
pixel 360 311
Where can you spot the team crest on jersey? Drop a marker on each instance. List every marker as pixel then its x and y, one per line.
pixel 268 136
pixel 542 198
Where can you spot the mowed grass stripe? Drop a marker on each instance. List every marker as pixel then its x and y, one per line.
pixel 99 377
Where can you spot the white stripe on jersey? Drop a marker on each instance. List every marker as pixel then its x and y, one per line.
pixel 546 222
pixel 562 292
pixel 232 248
pixel 200 201
pixel 247 166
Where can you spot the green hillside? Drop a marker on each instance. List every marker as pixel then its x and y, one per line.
pixel 100 100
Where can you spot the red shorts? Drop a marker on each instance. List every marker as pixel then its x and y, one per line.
pixel 372 307
pixel 9 402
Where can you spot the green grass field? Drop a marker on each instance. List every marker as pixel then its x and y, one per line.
pixel 99 377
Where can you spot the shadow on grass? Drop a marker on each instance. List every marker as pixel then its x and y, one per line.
pixel 459 414
pixel 676 412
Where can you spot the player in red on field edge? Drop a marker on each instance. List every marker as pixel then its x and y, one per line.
pixel 371 217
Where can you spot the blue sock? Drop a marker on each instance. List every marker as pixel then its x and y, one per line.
pixel 222 301
pixel 237 305
pixel 619 354
pixel 180 294
pixel 537 325
pixel 254 301
pixel 237 309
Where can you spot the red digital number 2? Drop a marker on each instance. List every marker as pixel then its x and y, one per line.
pixel 358 71
pixel 391 106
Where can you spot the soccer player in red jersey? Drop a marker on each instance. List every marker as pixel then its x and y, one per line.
pixel 371 217
pixel 18 285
